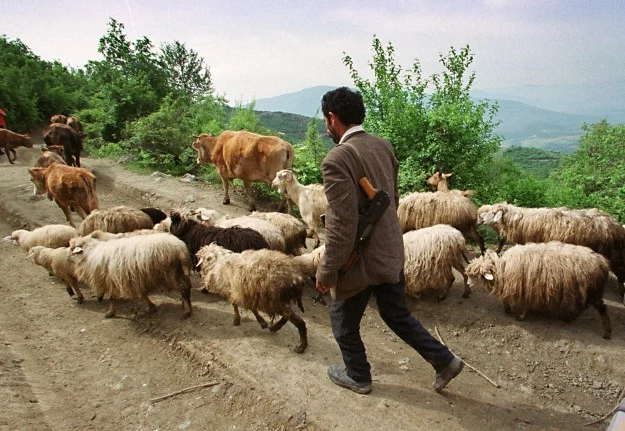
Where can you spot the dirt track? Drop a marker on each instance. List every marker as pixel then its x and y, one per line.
pixel 63 366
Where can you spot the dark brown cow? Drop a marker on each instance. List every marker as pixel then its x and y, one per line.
pixel 68 138
pixel 68 187
pixel 244 155
pixel 9 141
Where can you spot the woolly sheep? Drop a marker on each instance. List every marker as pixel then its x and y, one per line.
pixel 115 220
pixel 133 266
pixel 51 235
pixel 292 237
pixel 418 210
pixel 553 278
pixel 196 235
pixel 293 230
pixel 588 227
pixel 430 255
pixel 57 262
pixel 311 200
pixel 258 280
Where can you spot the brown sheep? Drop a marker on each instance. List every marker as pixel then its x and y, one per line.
pixel 258 280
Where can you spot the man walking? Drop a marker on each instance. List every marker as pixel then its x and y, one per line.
pixel 379 270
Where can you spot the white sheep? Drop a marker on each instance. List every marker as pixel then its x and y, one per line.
pixel 133 266
pixel 57 262
pixel 258 280
pixel 430 255
pixel 424 209
pixel 553 278
pixel 311 200
pixel 293 230
pixel 589 227
pixel 51 235
pixel 115 220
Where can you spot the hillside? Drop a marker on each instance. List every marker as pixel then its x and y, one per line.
pixel 522 124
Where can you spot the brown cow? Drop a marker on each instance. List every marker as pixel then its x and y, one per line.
pixel 58 119
pixel 68 187
pixel 244 155
pixel 71 141
pixel 9 141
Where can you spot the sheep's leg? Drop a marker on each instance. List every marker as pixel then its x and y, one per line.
pixel 301 328
pixel 226 184
pixel 67 212
pixel 8 152
pixel 250 195
pixel 151 307
pixel 502 242
pixel 73 286
pixel 450 282
pixel 522 314
pixel 506 307
pixel 605 319
pixel 111 311
pixel 467 288
pixel 186 297
pixel 237 316
pixel 68 289
pixel 260 319
pixel 278 325
pixel 477 238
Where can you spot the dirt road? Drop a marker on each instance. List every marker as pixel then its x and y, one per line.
pixel 63 366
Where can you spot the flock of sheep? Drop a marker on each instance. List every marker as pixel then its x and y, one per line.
pixel 260 261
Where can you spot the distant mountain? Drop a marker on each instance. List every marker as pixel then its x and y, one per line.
pixel 305 102
pixel 521 124
pixel 601 99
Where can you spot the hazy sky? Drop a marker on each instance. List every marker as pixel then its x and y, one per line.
pixel 258 49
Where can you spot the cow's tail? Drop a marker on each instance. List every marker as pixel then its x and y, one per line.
pixel 289 157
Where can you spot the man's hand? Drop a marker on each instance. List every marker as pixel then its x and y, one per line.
pixel 322 288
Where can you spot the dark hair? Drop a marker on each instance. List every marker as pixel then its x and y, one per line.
pixel 345 103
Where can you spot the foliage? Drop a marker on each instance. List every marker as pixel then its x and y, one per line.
pixel 534 160
pixel 593 176
pixel 309 154
pixel 186 71
pixel 32 90
pixel 243 117
pixel 162 139
pixel 445 131
pixel 509 182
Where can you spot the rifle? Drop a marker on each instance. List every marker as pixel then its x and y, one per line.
pixel 379 201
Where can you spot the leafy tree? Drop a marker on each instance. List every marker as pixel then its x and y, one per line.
pixel 31 90
pixel 309 154
pixel 594 175
pixel 186 70
pixel 445 131
pixel 243 117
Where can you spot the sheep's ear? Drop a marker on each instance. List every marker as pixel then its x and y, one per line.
pixel 447 175
pixel 8 238
pixel 200 262
pixel 497 216
pixel 77 250
pixel 488 276
pixel 30 254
